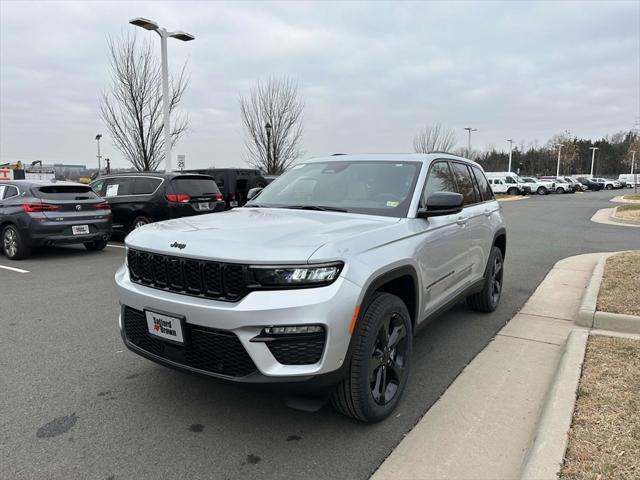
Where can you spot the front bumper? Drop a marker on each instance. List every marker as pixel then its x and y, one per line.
pixel 331 306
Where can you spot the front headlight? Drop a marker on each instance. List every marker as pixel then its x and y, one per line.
pixel 313 275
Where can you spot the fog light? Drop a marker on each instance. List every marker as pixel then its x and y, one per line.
pixel 293 330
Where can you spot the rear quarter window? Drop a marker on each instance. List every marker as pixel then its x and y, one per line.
pixel 145 185
pixel 65 192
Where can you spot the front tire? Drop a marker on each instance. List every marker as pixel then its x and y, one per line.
pixel 512 191
pixel 379 367
pixel 488 298
pixel 96 245
pixel 560 190
pixel 541 191
pixel 13 245
pixel 609 187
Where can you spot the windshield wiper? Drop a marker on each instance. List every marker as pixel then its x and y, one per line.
pixel 320 208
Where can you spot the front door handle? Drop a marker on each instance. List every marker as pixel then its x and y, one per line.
pixel 487 212
pixel 462 221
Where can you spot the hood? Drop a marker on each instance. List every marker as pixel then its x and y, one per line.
pixel 254 235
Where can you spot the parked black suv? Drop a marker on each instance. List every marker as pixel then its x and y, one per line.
pixel 590 184
pixel 138 198
pixel 235 183
pixel 35 213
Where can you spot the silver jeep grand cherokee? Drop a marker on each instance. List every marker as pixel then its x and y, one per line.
pixel 322 280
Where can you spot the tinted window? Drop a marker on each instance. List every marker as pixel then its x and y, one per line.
pixel 483 185
pixel 97 186
pixel 193 186
pixel 145 185
pixel 116 187
pixel 368 187
pixel 464 182
pixel 65 192
pixel 509 180
pixel 10 191
pixel 440 179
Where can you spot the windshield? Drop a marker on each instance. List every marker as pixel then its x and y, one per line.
pixel 373 188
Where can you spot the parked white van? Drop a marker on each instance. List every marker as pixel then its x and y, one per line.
pixel 630 179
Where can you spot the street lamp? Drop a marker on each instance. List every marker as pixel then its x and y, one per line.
pixel 635 178
pixel 469 129
pixel 164 34
pixel 559 145
pixel 267 128
pixel 593 158
pixel 98 137
pixel 510 152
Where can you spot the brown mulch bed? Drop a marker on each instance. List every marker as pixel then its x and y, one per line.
pixel 604 439
pixel 620 287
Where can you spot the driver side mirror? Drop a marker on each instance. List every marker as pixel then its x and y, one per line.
pixel 442 203
pixel 253 193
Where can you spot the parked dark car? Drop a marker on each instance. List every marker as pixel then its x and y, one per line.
pixel 590 184
pixel 38 213
pixel 234 183
pixel 139 198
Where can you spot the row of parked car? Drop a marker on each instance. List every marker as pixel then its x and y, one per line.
pixel 39 213
pixel 513 184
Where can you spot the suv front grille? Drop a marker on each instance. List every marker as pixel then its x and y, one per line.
pixel 191 277
pixel 207 349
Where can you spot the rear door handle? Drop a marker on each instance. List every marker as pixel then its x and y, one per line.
pixel 487 212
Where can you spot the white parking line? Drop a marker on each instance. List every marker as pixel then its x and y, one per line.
pixel 115 246
pixel 13 269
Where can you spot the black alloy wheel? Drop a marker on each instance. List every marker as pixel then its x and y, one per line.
pixel 388 359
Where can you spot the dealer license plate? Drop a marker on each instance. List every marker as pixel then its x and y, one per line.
pixel 80 229
pixel 164 326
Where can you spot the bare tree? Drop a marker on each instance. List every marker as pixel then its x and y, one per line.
pixel 132 104
pixel 433 138
pixel 276 103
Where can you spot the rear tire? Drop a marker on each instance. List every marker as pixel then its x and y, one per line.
pixel 560 190
pixel 380 364
pixel 488 298
pixel 541 191
pixel 13 245
pixel 96 246
pixel 139 222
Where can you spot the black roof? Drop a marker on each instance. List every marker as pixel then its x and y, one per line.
pixel 151 174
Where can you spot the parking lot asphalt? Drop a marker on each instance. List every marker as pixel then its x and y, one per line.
pixel 74 403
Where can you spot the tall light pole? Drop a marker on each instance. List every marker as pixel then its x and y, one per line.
pixel 593 158
pixel 98 137
pixel 267 128
pixel 559 145
pixel 510 152
pixel 469 129
pixel 164 34
pixel 635 178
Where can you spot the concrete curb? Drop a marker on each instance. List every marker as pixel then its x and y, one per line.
pixel 614 218
pixel 546 455
pixel 587 309
pixel 620 199
pixel 602 216
pixel 589 317
pixel 514 198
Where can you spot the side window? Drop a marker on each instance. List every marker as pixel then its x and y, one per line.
pixel 483 185
pixel 464 182
pixel 509 180
pixel 440 179
pixel 10 191
pixel 1 191
pixel 117 187
pixel 97 186
pixel 145 185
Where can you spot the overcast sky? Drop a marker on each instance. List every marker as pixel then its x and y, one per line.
pixel 371 74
